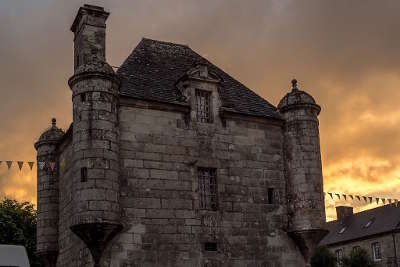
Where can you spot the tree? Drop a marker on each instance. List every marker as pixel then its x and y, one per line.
pixel 323 257
pixel 18 227
pixel 358 258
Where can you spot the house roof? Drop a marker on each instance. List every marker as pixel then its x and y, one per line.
pixel 154 67
pixel 383 220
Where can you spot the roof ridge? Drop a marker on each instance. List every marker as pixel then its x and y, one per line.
pixel 164 42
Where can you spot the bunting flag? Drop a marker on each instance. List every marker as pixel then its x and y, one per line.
pixel 20 164
pixel 338 195
pixel 9 163
pixel 365 199
pixel 344 196
pixel 351 196
pixel 358 197
pixel 390 200
pixel 52 165
pixel 383 200
pixel 330 194
pixel 377 200
pixel 30 163
pixel 63 165
pixel 41 165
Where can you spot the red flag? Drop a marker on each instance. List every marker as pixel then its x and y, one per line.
pixel 52 165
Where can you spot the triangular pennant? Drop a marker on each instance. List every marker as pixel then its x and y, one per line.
pixel 63 165
pixel 30 163
pixel 52 165
pixel 330 194
pixel 377 200
pixel 9 163
pixel 365 199
pixel 383 200
pixel 390 200
pixel 370 200
pixel 351 196
pixel 20 164
pixel 345 197
pixel 41 165
pixel 358 197
pixel 338 196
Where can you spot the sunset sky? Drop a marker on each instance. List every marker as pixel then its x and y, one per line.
pixel 346 53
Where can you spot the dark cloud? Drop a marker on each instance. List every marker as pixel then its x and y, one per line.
pixel 345 53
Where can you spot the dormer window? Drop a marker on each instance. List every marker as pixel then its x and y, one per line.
pixel 203 106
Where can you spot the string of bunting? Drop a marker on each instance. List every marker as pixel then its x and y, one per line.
pixel 366 199
pixel 41 164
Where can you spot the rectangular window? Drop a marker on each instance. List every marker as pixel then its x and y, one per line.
pixel 356 248
pixel 83 97
pixel 270 196
pixel 203 106
pixel 208 188
pixel 376 251
pixel 84 175
pixel 210 246
pixel 339 257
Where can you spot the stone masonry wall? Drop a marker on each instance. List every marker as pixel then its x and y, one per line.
pixel 163 224
pixel 72 251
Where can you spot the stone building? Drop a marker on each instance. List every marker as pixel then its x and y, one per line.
pixel 375 230
pixel 172 162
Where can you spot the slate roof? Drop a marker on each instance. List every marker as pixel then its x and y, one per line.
pixel 154 67
pixel 385 219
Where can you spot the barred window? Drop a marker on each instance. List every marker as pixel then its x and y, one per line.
pixel 208 188
pixel 203 106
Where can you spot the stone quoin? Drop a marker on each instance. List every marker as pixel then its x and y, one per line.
pixel 169 161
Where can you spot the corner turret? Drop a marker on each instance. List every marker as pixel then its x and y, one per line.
pixel 95 96
pixel 303 169
pixel 47 195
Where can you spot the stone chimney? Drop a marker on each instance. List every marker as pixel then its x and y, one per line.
pixel 89 28
pixel 342 212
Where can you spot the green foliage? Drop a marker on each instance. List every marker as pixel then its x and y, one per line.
pixel 358 258
pixel 18 227
pixel 323 257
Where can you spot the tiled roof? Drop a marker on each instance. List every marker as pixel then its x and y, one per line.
pixel 154 67
pixel 384 219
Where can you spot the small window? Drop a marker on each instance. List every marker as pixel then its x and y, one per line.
pixel 376 251
pixel 271 196
pixel 368 224
pixel 84 175
pixel 203 106
pixel 339 257
pixel 208 188
pixel 83 97
pixel 210 246
pixel 342 230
